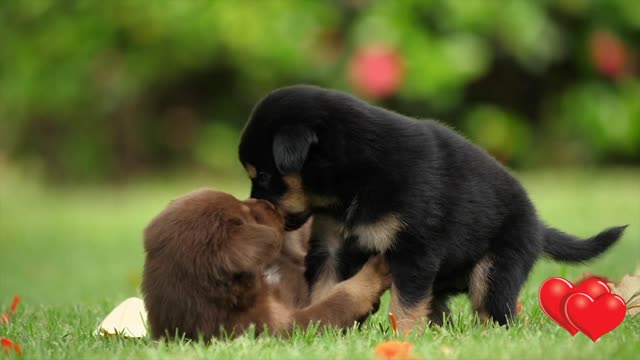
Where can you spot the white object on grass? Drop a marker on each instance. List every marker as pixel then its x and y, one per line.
pixel 129 319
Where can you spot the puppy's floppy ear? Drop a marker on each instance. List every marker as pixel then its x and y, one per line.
pixel 290 147
pixel 253 246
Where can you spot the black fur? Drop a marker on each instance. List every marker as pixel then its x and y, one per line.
pixel 565 247
pixel 458 204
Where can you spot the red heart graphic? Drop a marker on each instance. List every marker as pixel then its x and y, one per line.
pixel 555 291
pixel 595 317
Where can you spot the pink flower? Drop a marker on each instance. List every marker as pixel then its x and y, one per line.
pixel 609 54
pixel 376 70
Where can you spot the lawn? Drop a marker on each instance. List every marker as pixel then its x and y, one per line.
pixel 73 253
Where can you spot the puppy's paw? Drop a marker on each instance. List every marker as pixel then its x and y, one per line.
pixel 376 272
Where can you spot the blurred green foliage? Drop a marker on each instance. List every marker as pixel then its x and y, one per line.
pixel 100 89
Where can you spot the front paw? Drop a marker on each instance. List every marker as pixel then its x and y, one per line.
pixel 376 272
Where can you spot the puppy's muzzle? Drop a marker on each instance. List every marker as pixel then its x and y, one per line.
pixel 295 221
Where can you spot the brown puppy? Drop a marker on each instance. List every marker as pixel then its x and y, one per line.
pixel 208 258
pixel 286 274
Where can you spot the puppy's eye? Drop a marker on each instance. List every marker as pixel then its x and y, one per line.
pixel 236 221
pixel 262 178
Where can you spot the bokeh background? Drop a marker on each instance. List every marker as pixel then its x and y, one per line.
pixel 103 90
pixel 109 109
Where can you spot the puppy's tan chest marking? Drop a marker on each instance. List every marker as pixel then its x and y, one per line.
pixel 380 235
pixel 330 231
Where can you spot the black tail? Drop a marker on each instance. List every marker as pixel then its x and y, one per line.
pixel 565 247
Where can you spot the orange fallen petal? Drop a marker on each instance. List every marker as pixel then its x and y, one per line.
pixel 394 322
pixel 518 307
pixel 17 348
pixel 393 350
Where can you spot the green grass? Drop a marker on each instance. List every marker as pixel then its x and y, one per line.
pixel 74 253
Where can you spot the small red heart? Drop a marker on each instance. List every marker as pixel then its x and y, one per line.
pixel 595 317
pixel 555 291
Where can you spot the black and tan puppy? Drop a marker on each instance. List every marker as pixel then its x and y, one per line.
pixel 217 265
pixel 447 216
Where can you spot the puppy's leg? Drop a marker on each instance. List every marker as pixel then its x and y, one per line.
pixel 320 272
pixel 350 299
pixel 351 259
pixel 408 308
pixel 413 270
pixel 320 263
pixel 479 286
pixel 505 281
pixel 496 279
pixel 439 309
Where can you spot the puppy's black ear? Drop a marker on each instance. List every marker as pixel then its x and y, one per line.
pixel 290 148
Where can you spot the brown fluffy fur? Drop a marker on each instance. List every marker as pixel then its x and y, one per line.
pixel 207 254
